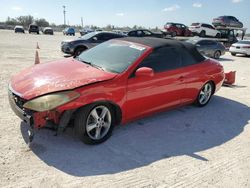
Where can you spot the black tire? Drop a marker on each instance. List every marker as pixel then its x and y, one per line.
pixel 217 54
pixel 174 34
pixel 218 35
pixel 233 54
pixel 79 50
pixel 199 101
pixel 202 33
pixel 80 123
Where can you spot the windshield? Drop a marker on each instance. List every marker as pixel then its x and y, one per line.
pixel 112 56
pixel 88 36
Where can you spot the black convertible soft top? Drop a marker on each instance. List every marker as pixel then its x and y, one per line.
pixel 157 43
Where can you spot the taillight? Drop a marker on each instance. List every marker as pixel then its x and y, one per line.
pixel 245 46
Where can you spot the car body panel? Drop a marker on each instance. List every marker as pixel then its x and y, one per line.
pixel 229 21
pixel 208 47
pixel 19 29
pixel 238 48
pixel 136 97
pixel 144 33
pixel 177 29
pixel 33 28
pixel 56 76
pixel 197 28
pixel 70 46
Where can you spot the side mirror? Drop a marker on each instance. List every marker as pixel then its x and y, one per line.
pixel 144 72
pixel 198 45
pixel 95 39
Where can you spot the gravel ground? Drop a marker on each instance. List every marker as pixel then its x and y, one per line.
pixel 186 147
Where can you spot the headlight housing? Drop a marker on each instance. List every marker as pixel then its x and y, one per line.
pixel 51 101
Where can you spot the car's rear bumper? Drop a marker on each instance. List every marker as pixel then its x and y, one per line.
pixel 239 51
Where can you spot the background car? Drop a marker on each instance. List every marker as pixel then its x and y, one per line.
pixel 209 48
pixel 241 47
pixel 69 31
pixel 85 31
pixel 33 28
pixel 19 29
pixel 112 83
pixel 77 46
pixel 48 31
pixel 204 30
pixel 144 33
pixel 177 29
pixel 229 21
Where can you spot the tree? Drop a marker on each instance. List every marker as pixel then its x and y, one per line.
pixel 11 21
pixel 42 22
pixel 25 20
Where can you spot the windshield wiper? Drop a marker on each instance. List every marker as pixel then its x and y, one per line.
pixel 90 63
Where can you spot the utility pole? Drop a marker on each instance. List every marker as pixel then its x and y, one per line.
pixel 64 14
pixel 82 22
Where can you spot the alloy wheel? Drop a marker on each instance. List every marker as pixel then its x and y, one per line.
pixel 205 93
pixel 98 122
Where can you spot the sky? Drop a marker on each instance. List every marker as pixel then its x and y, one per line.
pixel 147 13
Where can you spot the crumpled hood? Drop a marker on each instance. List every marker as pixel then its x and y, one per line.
pixel 55 76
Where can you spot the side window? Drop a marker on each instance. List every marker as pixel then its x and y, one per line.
pixel 186 58
pixel 202 43
pixel 139 33
pixel 133 33
pixel 100 37
pixel 108 36
pixel 147 33
pixel 162 59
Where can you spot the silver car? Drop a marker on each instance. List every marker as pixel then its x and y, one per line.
pixel 210 48
pixel 241 47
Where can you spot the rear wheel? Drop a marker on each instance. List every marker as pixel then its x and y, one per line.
pixel 94 123
pixel 174 34
pixel 217 35
pixel 202 33
pixel 205 94
pixel 217 54
pixel 79 50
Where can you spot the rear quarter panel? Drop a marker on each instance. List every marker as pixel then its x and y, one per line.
pixel 197 75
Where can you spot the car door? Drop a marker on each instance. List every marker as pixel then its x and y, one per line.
pixel 193 76
pixel 162 90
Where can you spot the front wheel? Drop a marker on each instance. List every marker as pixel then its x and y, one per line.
pixel 94 123
pixel 233 54
pixel 205 94
pixel 217 54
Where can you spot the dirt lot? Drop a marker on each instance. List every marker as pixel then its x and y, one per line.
pixel 187 147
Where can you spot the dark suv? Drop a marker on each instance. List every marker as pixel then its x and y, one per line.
pixel 177 29
pixel 77 46
pixel 229 21
pixel 144 33
pixel 33 28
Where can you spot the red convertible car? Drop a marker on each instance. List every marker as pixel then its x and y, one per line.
pixel 115 82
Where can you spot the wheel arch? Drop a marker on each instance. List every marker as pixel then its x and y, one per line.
pixel 115 107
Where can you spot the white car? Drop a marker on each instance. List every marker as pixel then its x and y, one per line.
pixel 241 47
pixel 203 30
